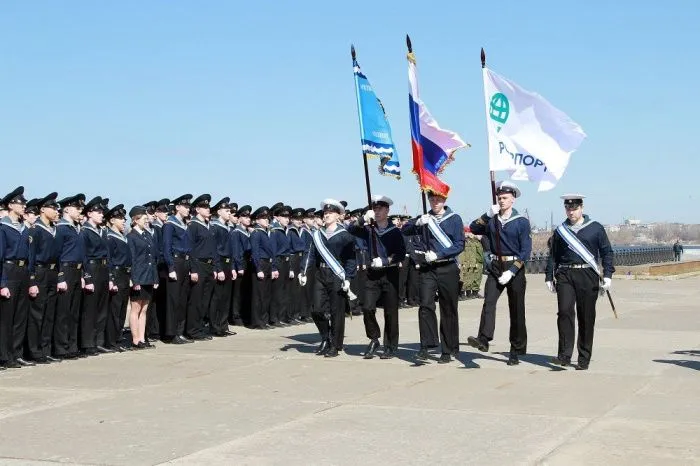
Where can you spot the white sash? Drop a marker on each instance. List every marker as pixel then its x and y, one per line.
pixel 327 256
pixel 577 246
pixel 439 233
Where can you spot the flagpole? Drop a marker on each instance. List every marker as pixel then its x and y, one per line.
pixel 372 223
pixel 492 175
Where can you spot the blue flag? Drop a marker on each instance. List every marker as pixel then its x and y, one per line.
pixel 374 126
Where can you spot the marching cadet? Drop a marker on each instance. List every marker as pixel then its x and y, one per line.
pixel 357 284
pixel 386 251
pixel 262 251
pixel 176 254
pixel 221 304
pixel 333 254
pixel 98 283
pixel 120 271
pixel 160 299
pixel 15 292
pixel 242 285
pixel 144 275
pixel 279 306
pixel 471 265
pixel 43 274
pixel 70 250
pixel 442 239
pixel 510 231
pixel 206 268
pixel 307 292
pixel 297 247
pixel 573 274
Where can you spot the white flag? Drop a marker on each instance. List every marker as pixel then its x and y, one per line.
pixel 528 136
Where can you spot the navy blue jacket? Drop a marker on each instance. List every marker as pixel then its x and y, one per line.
pixel 69 246
pixel 450 223
pixel 341 244
pixel 391 246
pixel 41 247
pixel 176 240
pixel 157 229
pixel 96 247
pixel 514 235
pixel 240 247
pixel 119 252
pixel 296 241
pixel 203 244
pixel 262 247
pixel 279 236
pixel 224 248
pixel 144 269
pixel 14 244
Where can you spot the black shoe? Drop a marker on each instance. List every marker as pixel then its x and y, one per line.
pixel 388 353
pixel 152 338
pixel 53 359
pixel 513 359
pixel 147 344
pixel 102 349
pixel 332 352
pixel 178 340
pixel 582 366
pixel 185 340
pixel 478 344
pixel 24 362
pixel 557 361
pixel 371 349
pixel 422 355
pixel 323 348
pixel 445 358
pixel 42 360
pixel 90 352
pixel 12 365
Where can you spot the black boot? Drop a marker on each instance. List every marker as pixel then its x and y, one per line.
pixel 323 348
pixel 422 355
pixel 513 359
pixel 371 349
pixel 332 352
pixel 478 344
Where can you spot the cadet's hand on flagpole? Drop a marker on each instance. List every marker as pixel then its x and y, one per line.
pixel 550 287
pixel 493 210
pixel 61 287
pixel 33 291
pixel 423 220
pixel 261 275
pixel 302 280
pixel 505 277
pixel 368 216
pixel 194 277
pixel 172 276
pixel 275 274
pixel 430 256
pixel 377 263
pixel 607 283
pixel 5 293
pixel 346 285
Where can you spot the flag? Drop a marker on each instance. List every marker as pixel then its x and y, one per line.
pixel 375 132
pixel 527 135
pixel 433 147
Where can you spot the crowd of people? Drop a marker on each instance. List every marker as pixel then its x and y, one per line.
pixel 188 269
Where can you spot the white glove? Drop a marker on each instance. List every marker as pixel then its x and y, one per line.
pixel 505 277
pixel 493 210
pixel 302 279
pixel 607 283
pixel 346 285
pixel 423 220
pixel 550 287
pixel 430 256
pixel 368 216
pixel 377 263
pixel 291 274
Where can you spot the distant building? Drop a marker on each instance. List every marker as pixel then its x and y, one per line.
pixel 632 222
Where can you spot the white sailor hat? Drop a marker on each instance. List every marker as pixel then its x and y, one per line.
pixel 332 205
pixel 573 199
pixel 507 187
pixel 381 199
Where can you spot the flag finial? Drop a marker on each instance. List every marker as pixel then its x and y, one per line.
pixel 352 51
pixel 483 58
pixel 408 44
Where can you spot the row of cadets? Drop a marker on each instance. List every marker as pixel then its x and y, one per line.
pixel 280 305
pixel 265 267
pixel 386 251
pixel 120 266
pixel 441 241
pixel 221 307
pixel 297 247
pixel 176 254
pixel 242 262
pixel 509 231
pixel 205 270
pixel 333 257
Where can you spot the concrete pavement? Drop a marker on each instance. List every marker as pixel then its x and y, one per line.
pixel 263 397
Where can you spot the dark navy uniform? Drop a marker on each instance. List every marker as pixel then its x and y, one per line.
pixel 263 255
pixel 160 300
pixel 441 276
pixel 515 248
pixel 176 254
pixel 578 284
pixel 144 254
pixel 242 286
pixel 297 247
pixel 306 292
pixel 120 270
pixel 14 257
pixel 280 305
pixel 43 271
pixel 70 250
pixel 222 288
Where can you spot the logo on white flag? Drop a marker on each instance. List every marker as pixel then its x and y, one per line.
pixel 499 109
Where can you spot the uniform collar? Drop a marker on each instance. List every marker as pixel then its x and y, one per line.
pixel 16 226
pixel 339 229
pixel 174 220
pixel 116 234
pixel 196 220
pixel 88 226
pixel 217 221
pixel 50 228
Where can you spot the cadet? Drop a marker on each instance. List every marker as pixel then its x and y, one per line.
pixel 279 307
pixel 333 253
pixel 471 265
pixel 572 273
pixel 386 252
pixel 444 231
pixel 120 271
pixel 509 231
pixel 297 246
pixel 242 286
pixel 262 251
pixel 14 282
pixel 307 292
pixel 70 250
pixel 153 323
pixel 159 304
pixel 43 273
pixel 223 286
pixel 176 254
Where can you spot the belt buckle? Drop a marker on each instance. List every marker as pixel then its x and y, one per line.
pixel 79 266
pixel 21 262
pixel 227 260
pixel 52 266
pixel 187 257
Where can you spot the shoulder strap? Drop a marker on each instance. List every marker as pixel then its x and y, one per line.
pixel 327 256
pixel 578 247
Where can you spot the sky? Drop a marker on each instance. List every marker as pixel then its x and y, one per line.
pixel 137 100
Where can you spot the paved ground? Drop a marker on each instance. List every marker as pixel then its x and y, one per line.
pixel 263 397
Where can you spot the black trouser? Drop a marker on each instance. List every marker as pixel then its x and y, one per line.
pixel 329 308
pixel 294 290
pixel 221 304
pixel 403 280
pixel 443 278
pixel 577 293
pixel 677 256
pixel 357 285
pixel 65 328
pixel 13 311
pixel 118 302
pixel 177 292
pixel 152 319
pixel 262 288
pixel 42 312
pixel 242 289
pixel 280 299
pixel 413 282
pixel 516 305
pixel 384 284
pixel 201 293
pixel 307 292
pixel 93 312
pixel 160 299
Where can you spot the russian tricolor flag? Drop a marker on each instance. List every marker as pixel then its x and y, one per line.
pixel 433 147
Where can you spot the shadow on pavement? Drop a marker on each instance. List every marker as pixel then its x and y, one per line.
pixel 691 352
pixel 687 363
